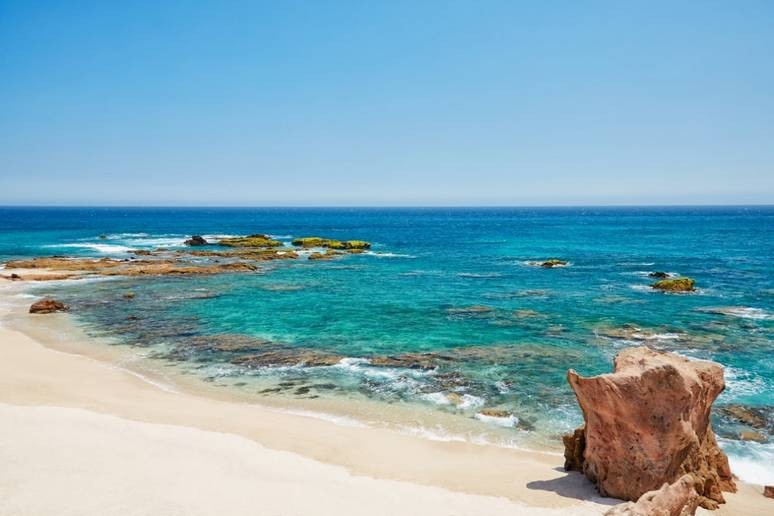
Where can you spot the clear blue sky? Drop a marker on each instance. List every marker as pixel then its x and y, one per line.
pixel 386 103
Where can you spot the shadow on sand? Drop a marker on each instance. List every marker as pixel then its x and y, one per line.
pixel 572 485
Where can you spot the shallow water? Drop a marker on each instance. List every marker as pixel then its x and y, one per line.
pixel 453 283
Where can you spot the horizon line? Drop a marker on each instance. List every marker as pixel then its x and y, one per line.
pixel 389 206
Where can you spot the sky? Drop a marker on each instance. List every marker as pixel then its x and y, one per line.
pixel 328 103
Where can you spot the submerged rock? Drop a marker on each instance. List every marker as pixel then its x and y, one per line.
pixel 47 306
pixel 754 417
pixel 112 267
pixel 749 435
pixel 196 240
pixel 648 423
pixel 677 499
pixel 675 285
pixel 289 357
pixel 659 275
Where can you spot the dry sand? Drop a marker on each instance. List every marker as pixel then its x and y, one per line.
pixel 80 435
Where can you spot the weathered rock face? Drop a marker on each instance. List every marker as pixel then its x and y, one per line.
pixel 47 306
pixel 648 423
pixel 677 499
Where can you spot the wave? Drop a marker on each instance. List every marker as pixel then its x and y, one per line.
pixel 744 312
pixel 743 383
pixel 388 254
pixel 750 461
pixel 481 275
pixel 508 422
pixel 331 418
pixel 95 246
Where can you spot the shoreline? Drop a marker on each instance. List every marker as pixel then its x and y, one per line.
pixel 94 389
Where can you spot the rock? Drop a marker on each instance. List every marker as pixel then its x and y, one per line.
pixel 289 357
pixel 659 275
pixel 526 314
pixel 750 416
pixel 407 360
pixel 676 499
pixel 648 423
pixel 493 412
pixel 331 243
pixel 111 267
pixel 675 285
pixel 196 240
pixel 768 491
pixel 574 447
pixel 129 295
pixel 103 237
pixel 47 306
pixel 14 277
pixel 553 262
pixel 749 435
pixel 257 240
pixel 327 255
pixel 143 252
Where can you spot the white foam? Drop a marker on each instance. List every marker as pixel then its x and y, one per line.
pixel 744 312
pixel 331 418
pixel 469 402
pixel 438 398
pixel 101 248
pixel 742 383
pixel 507 422
pixel 388 255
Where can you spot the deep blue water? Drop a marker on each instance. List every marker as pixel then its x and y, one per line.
pixel 414 292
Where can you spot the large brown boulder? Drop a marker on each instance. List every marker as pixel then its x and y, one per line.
pixel 677 499
pixel 47 306
pixel 647 424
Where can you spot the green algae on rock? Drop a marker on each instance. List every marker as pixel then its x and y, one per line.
pixel 331 243
pixel 257 240
pixel 675 285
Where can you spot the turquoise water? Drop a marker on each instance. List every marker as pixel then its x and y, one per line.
pixel 452 285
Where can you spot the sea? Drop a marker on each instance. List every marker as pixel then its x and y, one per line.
pixel 447 326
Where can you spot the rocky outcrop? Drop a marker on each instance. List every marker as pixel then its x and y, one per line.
pixel 196 240
pixel 257 240
pixel 677 499
pixel 648 423
pixel 47 306
pixel 331 243
pixel 675 285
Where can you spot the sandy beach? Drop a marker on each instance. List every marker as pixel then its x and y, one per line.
pixel 71 421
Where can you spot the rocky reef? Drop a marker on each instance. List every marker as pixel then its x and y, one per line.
pixel 675 285
pixel 47 306
pixel 647 424
pixel 80 267
pixel 331 243
pixel 257 240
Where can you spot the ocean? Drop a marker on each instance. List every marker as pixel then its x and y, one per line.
pixel 445 327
